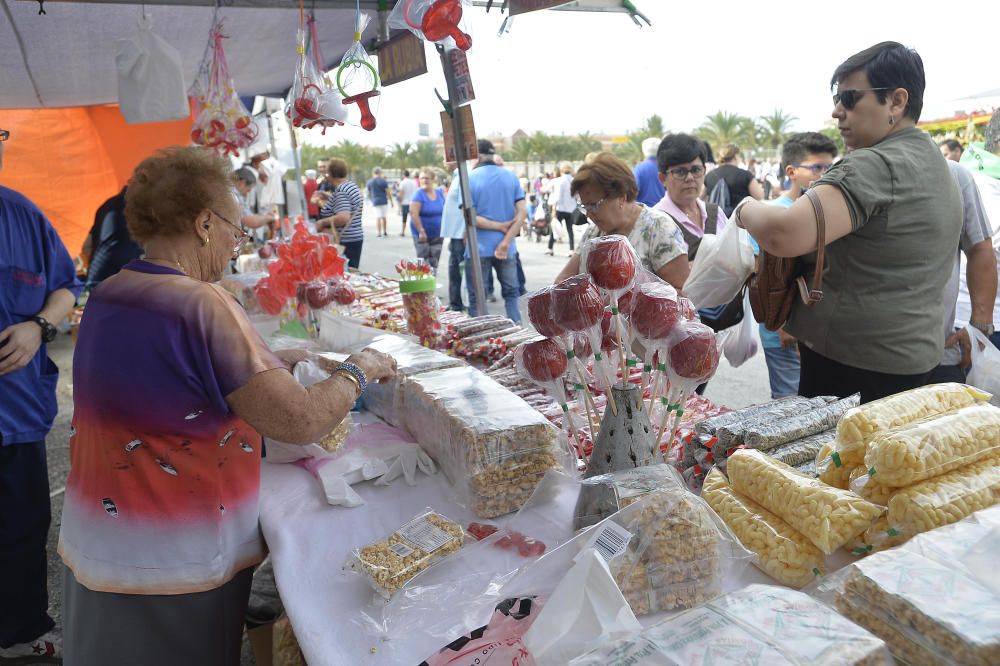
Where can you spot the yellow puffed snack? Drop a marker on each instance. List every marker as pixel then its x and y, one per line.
pixel 877 537
pixel 869 488
pixel 827 516
pixel 860 425
pixel 782 553
pixel 935 445
pixel 947 498
pixel 830 468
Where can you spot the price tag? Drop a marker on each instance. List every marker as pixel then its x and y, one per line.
pixel 610 540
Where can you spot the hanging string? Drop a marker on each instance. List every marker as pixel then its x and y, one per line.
pixel 203 66
pixel 41 8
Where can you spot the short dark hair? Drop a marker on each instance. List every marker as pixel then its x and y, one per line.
pixel 679 149
pixel 246 174
pixel 608 174
pixel 406 173
pixel 798 146
pixel 336 168
pixel 952 144
pixel 888 65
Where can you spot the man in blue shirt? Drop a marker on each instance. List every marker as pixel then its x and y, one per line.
pixel 453 228
pixel 378 194
pixel 500 211
pixel 804 158
pixel 647 175
pixel 38 288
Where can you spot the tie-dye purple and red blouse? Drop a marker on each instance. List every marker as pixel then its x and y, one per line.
pixel 162 494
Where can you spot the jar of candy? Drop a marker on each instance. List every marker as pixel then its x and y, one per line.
pixel 422 308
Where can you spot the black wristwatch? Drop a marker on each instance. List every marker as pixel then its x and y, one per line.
pixel 48 330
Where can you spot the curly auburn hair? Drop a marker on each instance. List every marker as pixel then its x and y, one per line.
pixel 608 174
pixel 168 190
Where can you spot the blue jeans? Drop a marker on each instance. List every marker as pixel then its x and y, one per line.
pixel 782 371
pixel 456 255
pixel 510 287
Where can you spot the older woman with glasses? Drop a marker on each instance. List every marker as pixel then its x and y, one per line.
pixel 173 390
pixel 893 217
pixel 681 161
pixel 606 189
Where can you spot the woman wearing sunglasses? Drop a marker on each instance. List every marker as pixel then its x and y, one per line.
pixel 173 390
pixel 893 219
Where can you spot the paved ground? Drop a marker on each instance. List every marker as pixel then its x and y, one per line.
pixel 732 387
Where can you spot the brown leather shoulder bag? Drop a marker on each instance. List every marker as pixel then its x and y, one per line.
pixel 776 279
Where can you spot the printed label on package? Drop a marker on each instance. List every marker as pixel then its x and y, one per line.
pixel 401 549
pixel 424 534
pixel 610 541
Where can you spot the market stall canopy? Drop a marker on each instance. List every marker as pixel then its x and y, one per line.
pixel 66 57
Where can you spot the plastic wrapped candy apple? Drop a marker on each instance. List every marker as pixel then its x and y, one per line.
pixel 543 362
pixel 540 313
pixel 626 302
pixel 577 306
pixel 654 316
pixel 612 263
pixel 692 358
pixel 344 293
pixel 265 251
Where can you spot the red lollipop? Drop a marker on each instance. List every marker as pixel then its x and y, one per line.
pixel 540 313
pixel 576 303
pixel 656 310
pixel 542 360
pixel 693 352
pixel 344 293
pixel 318 295
pixel 611 261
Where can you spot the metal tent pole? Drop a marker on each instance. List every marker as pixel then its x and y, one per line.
pixel 463 178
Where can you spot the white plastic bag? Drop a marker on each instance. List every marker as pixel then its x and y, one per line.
pixel 723 264
pixel 740 343
pixel 985 372
pixel 151 86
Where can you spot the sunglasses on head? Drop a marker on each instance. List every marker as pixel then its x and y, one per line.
pixel 850 97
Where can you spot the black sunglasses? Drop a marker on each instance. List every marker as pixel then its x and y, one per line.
pixel 4 135
pixel 850 97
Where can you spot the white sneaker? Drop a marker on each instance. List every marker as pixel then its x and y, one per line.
pixel 46 649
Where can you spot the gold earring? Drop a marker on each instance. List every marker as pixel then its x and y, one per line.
pixel 204 241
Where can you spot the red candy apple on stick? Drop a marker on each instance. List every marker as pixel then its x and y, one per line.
pixel 692 358
pixel 655 314
pixel 612 263
pixel 544 363
pixel 577 306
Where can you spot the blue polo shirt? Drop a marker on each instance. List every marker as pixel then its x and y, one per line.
pixel 33 263
pixel 452 220
pixel 647 177
pixel 494 193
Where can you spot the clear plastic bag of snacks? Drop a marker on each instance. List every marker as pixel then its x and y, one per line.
pixel 223 124
pixel 388 564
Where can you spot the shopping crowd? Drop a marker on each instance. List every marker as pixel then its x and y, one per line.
pixel 159 533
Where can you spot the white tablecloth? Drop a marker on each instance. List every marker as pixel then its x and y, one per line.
pixel 311 540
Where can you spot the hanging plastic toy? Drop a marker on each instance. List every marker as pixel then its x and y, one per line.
pixel 357 78
pixel 432 20
pixel 313 102
pixel 223 124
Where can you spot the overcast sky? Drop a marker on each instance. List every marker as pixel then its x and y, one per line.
pixel 570 72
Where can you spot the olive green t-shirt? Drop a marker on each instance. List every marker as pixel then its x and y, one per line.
pixel 882 309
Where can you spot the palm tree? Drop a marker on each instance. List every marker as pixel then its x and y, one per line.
pixel 586 143
pixel 400 154
pixel 774 128
pixel 654 127
pixel 631 151
pixel 359 158
pixel 522 151
pixel 541 148
pixel 723 127
pixel 426 154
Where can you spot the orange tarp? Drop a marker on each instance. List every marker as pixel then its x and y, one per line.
pixel 69 161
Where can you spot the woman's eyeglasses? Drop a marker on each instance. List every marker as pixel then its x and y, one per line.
pixel 815 168
pixel 681 173
pixel 241 239
pixel 587 209
pixel 850 97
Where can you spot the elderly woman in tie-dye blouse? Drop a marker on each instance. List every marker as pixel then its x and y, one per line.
pixel 173 389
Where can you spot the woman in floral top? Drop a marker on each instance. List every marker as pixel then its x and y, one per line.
pixel 607 190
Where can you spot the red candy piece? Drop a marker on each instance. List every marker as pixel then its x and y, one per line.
pixel 656 311
pixel 480 530
pixel 611 262
pixel 540 314
pixel 361 99
pixel 441 21
pixel 694 354
pixel 542 360
pixel 530 548
pixel 576 303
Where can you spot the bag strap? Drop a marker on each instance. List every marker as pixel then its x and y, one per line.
pixel 711 217
pixel 815 294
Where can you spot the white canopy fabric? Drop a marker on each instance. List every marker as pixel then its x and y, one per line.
pixel 66 57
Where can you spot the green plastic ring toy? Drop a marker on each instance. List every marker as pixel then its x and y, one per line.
pixel 355 61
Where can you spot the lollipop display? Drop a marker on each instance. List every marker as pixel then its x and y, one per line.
pixel 693 356
pixel 357 78
pixel 223 124
pixel 420 302
pixel 432 20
